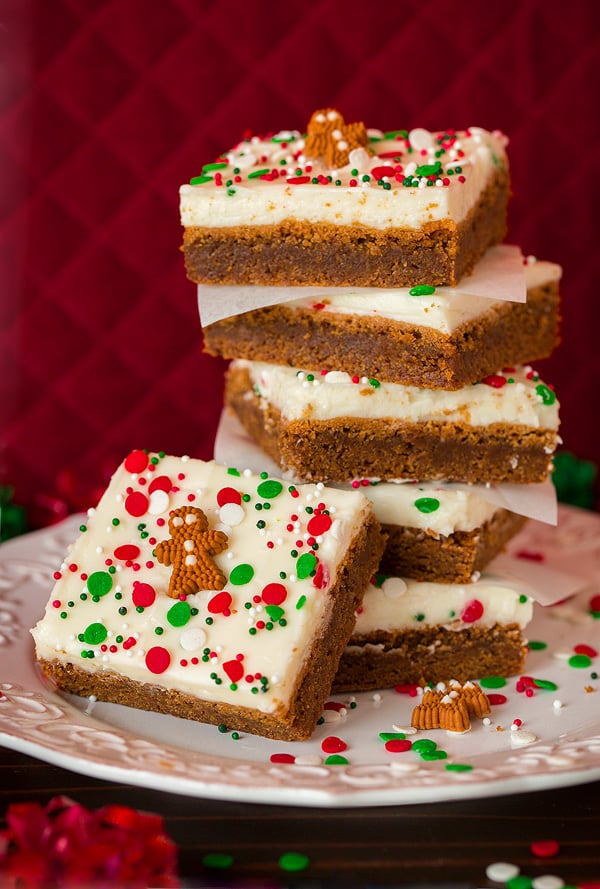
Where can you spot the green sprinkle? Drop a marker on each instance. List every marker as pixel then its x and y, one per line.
pixel 374 383
pixel 95 634
pixel 458 767
pixel 425 745
pixel 83 528
pixel 241 575
pixel 269 489
pixel 336 760
pixel 545 683
pixel 392 736
pixel 546 394
pixel 421 290
pixel 300 603
pixel 492 682
pixel 519 882
pixel 99 583
pixel 427 504
pixel 179 614
pixel 537 646
pixel 218 165
pixel 305 565
pixel 232 471
pixel 256 173
pixel 293 862
pixel 217 860
pixel 430 755
pixel 199 180
pixel 275 612
pixel 429 169
pixel 580 661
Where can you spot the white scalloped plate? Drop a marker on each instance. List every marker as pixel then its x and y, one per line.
pixel 559 745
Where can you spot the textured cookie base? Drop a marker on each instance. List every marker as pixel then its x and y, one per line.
pixel 430 654
pixel 313 683
pixel 346 448
pixel 395 352
pixel 456 558
pixel 303 253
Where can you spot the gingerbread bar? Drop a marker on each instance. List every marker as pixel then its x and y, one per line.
pixel 343 205
pixel 335 427
pixel 411 632
pixel 211 594
pixel 440 339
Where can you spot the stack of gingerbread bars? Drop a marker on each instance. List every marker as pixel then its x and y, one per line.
pixel 381 336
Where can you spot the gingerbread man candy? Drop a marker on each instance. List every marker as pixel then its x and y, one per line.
pixel 330 138
pixel 190 550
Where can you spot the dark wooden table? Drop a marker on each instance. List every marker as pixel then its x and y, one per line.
pixel 447 844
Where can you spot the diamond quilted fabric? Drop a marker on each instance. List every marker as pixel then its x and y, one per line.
pixel 107 107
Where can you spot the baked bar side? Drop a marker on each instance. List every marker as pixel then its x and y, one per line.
pixel 343 449
pixel 397 352
pixel 455 558
pixel 430 655
pixel 304 253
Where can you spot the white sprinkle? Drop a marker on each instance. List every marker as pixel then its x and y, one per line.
pixel 557 705
pixel 501 871
pixel 521 738
pixel 547 881
pixel 309 759
pixel 486 720
pixel 405 729
pixel 331 716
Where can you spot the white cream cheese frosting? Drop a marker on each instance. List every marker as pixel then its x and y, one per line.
pixel 396 603
pixel 515 396
pixel 243 644
pixel 404 180
pixel 445 309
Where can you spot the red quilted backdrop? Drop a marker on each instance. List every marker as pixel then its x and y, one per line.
pixel 106 106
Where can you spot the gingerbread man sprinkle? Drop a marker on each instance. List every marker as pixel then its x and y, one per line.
pixel 190 551
pixel 330 138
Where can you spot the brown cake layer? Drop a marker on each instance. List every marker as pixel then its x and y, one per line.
pixel 431 654
pixel 395 352
pixel 340 450
pixel 313 683
pixel 296 252
pixel 456 558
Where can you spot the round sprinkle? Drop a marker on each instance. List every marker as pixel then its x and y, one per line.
pixel 398 745
pixel 547 881
pixel 580 661
pixel 333 744
pixel 545 848
pixel 293 862
pixel 493 682
pixel 427 504
pixel 425 745
pixel 217 860
pixel 501 871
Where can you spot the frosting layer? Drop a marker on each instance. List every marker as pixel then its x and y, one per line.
pixel 396 603
pixel 400 180
pixel 516 396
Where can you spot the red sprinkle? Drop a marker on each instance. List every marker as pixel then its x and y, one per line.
pixel 334 705
pixel 545 848
pixel 411 690
pixel 282 757
pixel 530 556
pixel 585 649
pixel 333 745
pixel 160 483
pixel 136 504
pixel 136 461
pixel 495 380
pixel 472 611
pixel 398 745
pixel 298 180
pixel 228 495
pixel 595 602
pixel 495 698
